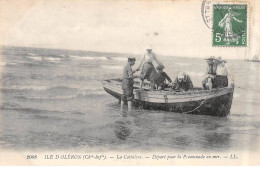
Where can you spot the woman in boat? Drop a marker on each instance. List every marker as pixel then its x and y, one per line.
pixel 148 69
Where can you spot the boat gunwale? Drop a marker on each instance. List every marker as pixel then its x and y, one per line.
pixel 194 93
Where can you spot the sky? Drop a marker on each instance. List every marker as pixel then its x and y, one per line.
pixel 169 27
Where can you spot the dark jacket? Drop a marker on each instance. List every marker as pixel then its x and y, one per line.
pixel 185 84
pixel 160 79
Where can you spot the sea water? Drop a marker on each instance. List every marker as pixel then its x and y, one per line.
pixel 52 99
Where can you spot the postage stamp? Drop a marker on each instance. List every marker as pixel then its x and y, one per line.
pixel 230 25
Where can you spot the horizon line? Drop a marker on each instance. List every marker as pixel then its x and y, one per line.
pixel 192 57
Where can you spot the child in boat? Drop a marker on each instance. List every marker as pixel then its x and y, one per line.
pixel 182 82
pixel 160 78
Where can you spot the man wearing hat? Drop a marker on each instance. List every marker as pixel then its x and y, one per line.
pixel 221 73
pixel 182 82
pixel 128 83
pixel 159 78
pixel 209 81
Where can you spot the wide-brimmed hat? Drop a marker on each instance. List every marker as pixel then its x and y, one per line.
pixel 220 60
pixel 210 58
pixel 148 47
pixel 160 67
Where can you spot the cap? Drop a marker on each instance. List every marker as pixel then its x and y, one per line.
pixel 160 67
pixel 131 58
pixel 181 75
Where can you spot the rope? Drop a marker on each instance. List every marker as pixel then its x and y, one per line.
pixel 196 107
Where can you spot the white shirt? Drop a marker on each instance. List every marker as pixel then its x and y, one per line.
pixel 150 57
pixel 221 70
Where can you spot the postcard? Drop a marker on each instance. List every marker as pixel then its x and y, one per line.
pixel 129 83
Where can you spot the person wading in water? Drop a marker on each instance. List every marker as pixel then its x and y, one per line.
pixel 128 83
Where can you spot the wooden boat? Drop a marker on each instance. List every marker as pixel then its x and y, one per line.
pixel 196 101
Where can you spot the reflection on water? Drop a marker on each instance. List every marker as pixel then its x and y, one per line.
pixel 123 127
pixel 216 141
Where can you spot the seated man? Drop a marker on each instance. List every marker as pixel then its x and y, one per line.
pixel 210 80
pixel 182 82
pixel 159 78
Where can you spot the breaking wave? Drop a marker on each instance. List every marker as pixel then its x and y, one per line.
pixel 37 58
pixel 119 58
pixel 52 59
pixel 26 87
pixel 31 54
pixel 75 57
pixel 111 67
pixel 100 58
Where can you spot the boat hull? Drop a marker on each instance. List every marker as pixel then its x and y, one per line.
pixel 215 103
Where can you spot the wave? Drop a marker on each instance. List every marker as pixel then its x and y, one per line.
pixel 12 63
pixel 54 89
pixel 61 93
pixel 35 110
pixel 52 59
pixel 28 109
pixel 37 58
pixel 78 78
pixel 61 89
pixel 31 54
pixel 5 64
pixel 26 87
pixel 102 58
pixel 88 57
pixel 111 67
pixel 46 97
pixel 119 58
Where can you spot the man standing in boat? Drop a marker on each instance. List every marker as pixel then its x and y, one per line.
pixel 128 83
pixel 147 65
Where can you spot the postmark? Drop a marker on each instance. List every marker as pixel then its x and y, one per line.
pixel 230 25
pixel 206 13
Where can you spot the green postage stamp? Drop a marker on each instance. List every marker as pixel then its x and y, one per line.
pixel 230 25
